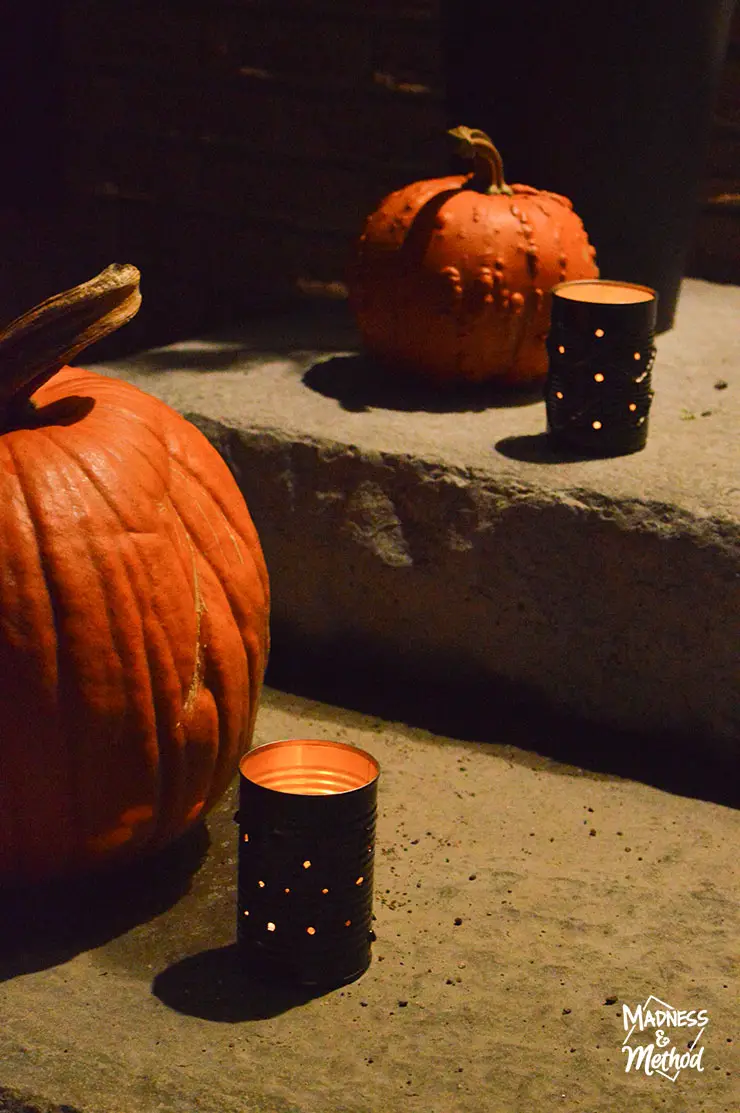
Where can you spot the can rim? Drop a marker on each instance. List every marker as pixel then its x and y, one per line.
pixel 324 742
pixel 606 282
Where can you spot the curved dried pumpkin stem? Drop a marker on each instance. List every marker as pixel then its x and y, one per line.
pixel 488 167
pixel 37 344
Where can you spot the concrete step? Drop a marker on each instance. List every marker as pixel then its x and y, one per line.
pixel 520 905
pixel 418 539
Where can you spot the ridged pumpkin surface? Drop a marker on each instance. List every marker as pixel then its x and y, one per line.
pixel 133 627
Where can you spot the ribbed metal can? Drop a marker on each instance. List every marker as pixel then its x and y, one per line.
pixel 599 392
pixel 307 818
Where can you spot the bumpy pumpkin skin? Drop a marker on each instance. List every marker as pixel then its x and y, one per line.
pixel 133 628
pixel 453 284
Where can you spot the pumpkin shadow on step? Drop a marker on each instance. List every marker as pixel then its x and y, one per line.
pixel 48 924
pixel 213 985
pixel 359 383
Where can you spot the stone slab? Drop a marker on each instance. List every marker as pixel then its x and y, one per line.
pixel 575 893
pixel 436 536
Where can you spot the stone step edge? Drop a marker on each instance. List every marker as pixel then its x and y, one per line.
pixel 620 613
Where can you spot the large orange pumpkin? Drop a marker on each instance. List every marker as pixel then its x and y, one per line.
pixel 133 602
pixel 451 278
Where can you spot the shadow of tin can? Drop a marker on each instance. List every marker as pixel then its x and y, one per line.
pixel 307 816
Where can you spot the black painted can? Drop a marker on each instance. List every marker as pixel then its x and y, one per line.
pixel 598 390
pixel 307 816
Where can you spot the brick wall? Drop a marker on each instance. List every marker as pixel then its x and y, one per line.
pixel 231 148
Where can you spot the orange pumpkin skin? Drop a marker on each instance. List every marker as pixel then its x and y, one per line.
pixel 453 284
pixel 133 628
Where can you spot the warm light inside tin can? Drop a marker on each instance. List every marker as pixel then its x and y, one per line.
pixel 309 767
pixel 604 291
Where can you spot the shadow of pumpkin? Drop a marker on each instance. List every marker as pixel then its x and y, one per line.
pixel 47 924
pixel 360 383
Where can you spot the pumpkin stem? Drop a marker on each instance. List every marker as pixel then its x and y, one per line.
pixel 37 344
pixel 488 167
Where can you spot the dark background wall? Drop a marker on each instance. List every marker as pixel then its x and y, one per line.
pixel 232 149
pixel 716 248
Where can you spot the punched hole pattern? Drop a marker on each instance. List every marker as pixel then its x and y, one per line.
pixel 606 398
pixel 301 900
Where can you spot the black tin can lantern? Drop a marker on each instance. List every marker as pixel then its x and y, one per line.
pixel 601 349
pixel 307 812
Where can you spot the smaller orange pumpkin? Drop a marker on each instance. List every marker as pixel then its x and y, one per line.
pixel 452 276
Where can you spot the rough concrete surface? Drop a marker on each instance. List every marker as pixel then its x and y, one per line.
pixel 520 904
pixel 439 532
